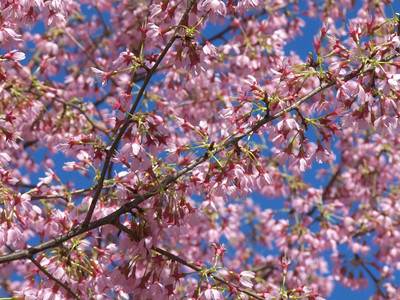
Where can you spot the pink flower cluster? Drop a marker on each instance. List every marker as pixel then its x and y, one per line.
pixel 179 150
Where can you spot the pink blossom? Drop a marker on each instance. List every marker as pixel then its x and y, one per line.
pixel 14 55
pixel 210 49
pixel 136 148
pixel 50 176
pixel 153 31
pixel 103 76
pixel 311 295
pixel 244 279
pixel 216 6
pixel 125 58
pixel 212 294
pixel 4 159
pixel 393 81
pixel 219 249
pixel 6 33
pixel 155 9
pixel 243 5
pixel 286 262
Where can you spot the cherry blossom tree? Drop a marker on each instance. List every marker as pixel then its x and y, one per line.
pixel 190 133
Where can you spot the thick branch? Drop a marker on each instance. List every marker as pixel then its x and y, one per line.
pixel 54 242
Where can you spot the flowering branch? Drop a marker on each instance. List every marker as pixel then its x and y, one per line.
pixel 83 113
pixel 51 277
pixel 186 263
pixel 176 177
pixel 131 112
pixel 138 199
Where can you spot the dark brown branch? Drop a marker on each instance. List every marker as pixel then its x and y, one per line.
pixel 54 242
pixel 374 279
pixel 62 196
pixel 333 179
pixel 327 189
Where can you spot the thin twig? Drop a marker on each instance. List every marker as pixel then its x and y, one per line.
pixel 268 10
pixel 88 56
pixel 62 196
pixel 186 263
pixel 50 276
pixel 83 113
pixel 198 269
pixel 374 279
pixel 327 189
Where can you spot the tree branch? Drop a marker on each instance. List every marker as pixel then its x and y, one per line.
pixel 186 263
pixel 41 268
